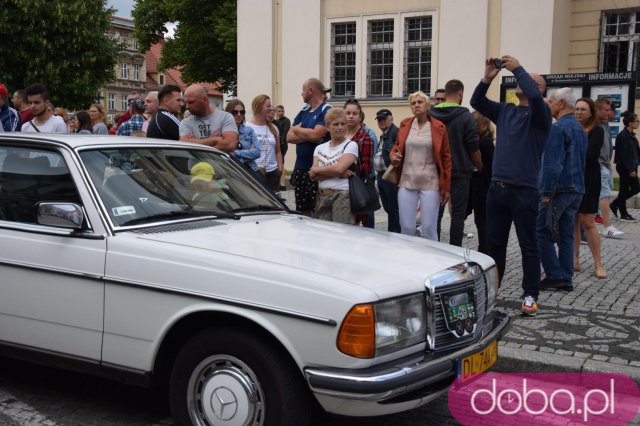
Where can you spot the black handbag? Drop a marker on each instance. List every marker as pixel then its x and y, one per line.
pixel 363 196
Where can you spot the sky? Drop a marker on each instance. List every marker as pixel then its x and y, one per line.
pixel 124 11
pixel 124 7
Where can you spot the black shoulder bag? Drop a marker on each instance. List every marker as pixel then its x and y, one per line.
pixel 363 195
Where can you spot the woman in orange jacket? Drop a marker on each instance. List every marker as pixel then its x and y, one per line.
pixel 422 157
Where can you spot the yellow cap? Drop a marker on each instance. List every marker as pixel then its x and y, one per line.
pixel 202 171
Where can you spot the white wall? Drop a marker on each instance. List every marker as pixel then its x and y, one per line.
pixel 255 50
pixel 527 30
pixel 462 43
pixel 301 53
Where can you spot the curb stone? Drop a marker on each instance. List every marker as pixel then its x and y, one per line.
pixel 515 360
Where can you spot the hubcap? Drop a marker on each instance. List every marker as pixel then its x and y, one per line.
pixel 224 391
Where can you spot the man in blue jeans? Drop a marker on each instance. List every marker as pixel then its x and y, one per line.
pixel 388 190
pixel 561 187
pixel 522 132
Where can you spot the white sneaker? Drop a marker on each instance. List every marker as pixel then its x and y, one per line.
pixel 611 232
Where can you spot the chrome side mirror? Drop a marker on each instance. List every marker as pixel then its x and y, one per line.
pixel 60 215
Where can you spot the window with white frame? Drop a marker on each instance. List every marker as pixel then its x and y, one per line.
pixel 620 41
pixel 380 57
pixel 124 71
pixel 112 101
pixel 161 79
pixel 417 54
pixel 136 73
pixel 123 103
pixel 343 59
pixel 136 44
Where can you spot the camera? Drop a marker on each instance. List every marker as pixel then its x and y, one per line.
pixel 498 63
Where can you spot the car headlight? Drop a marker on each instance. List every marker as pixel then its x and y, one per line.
pixel 491 276
pixel 380 328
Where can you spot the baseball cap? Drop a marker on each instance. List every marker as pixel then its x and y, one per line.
pixel 137 104
pixel 383 113
pixel 3 90
pixel 202 171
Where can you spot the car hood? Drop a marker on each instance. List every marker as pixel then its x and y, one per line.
pixel 383 262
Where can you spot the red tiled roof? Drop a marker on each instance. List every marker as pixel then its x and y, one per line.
pixel 171 75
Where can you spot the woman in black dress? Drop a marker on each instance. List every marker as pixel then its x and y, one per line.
pixel 480 180
pixel 586 115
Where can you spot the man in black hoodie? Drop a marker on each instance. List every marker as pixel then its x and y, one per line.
pixel 465 154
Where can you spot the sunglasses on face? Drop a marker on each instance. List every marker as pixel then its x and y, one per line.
pixel 240 112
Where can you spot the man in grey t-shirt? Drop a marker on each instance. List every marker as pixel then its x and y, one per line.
pixel 207 125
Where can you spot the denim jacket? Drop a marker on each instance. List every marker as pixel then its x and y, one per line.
pixel 564 158
pixel 248 150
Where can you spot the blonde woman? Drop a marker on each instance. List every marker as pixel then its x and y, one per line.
pixel 99 119
pixel 423 159
pixel 270 161
pixel 331 162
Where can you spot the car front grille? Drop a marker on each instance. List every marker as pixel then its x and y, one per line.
pixel 440 337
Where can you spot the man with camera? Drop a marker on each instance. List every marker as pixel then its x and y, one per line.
pixel 522 132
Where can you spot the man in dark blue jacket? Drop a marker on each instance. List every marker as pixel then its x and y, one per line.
pixel 522 132
pixel 561 186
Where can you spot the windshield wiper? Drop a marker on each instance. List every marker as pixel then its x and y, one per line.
pixel 258 208
pixel 177 214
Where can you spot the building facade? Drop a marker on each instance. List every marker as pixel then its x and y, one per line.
pixel 130 71
pixel 379 51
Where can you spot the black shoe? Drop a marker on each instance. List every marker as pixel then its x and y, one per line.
pixel 627 217
pixel 549 283
pixel 552 283
pixel 614 208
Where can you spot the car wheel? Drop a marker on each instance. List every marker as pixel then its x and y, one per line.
pixel 230 377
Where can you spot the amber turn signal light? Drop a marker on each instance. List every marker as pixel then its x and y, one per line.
pixel 357 336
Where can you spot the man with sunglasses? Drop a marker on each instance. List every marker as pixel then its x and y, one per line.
pixel 438 97
pixel 388 190
pixel 165 123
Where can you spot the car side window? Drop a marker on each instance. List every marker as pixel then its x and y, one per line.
pixel 29 176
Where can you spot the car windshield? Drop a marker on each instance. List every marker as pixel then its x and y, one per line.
pixel 144 185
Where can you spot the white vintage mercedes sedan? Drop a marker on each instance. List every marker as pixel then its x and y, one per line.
pixel 166 264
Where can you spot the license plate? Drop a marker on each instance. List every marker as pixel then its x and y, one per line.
pixel 479 362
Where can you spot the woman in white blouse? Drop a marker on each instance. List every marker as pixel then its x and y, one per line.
pixel 331 162
pixel 270 162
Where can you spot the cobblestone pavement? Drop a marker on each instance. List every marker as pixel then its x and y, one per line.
pixel 594 328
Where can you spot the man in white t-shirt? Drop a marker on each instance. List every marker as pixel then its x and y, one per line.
pixel 44 121
pixel 207 125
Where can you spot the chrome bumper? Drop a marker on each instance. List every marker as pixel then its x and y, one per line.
pixel 381 383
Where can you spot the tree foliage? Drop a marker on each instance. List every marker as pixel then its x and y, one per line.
pixel 63 44
pixel 204 44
